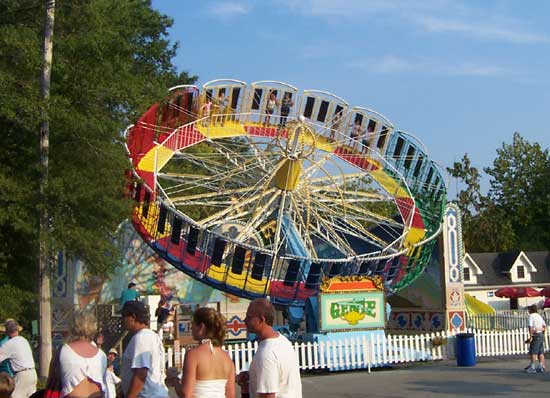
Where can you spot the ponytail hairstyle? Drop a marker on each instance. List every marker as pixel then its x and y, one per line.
pixel 214 323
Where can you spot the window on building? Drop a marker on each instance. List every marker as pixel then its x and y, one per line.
pixel 521 271
pixel 467 276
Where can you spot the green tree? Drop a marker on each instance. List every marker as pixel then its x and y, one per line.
pixel 485 226
pixel 515 213
pixel 469 199
pixel 111 61
pixel 520 189
pixel 490 230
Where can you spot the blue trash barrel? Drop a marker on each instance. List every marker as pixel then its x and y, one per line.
pixel 465 349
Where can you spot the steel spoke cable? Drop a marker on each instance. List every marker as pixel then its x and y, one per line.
pixel 263 182
pixel 337 214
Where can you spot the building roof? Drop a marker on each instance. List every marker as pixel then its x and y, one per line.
pixel 496 267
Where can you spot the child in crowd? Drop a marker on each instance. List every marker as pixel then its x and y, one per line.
pixel 111 379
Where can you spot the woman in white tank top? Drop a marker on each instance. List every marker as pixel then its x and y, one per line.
pixel 82 364
pixel 208 371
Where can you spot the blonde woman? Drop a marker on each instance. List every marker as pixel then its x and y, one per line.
pixel 82 364
pixel 208 371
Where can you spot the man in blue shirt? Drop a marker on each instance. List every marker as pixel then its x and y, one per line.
pixel 129 294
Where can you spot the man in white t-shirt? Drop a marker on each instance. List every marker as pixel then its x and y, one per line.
pixel 537 326
pixel 274 371
pixel 142 369
pixel 18 350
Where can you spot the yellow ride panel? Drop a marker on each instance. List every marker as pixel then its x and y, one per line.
pixel 390 185
pixel 216 272
pixel 150 224
pixel 312 139
pixel 162 155
pixel 414 235
pixel 324 144
pixel 229 129
pixel 237 281
pixel 288 175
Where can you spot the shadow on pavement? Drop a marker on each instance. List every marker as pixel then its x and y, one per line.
pixel 464 388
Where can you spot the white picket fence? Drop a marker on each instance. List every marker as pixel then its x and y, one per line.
pixel 504 319
pixel 364 353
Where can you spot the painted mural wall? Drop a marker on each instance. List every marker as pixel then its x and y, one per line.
pixel 153 274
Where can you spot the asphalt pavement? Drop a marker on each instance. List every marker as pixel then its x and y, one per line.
pixel 501 377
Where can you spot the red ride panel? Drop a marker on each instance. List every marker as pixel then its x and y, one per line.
pixel 405 206
pixel 261 131
pixel 360 160
pixel 141 136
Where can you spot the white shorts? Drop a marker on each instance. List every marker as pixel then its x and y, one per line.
pixel 25 383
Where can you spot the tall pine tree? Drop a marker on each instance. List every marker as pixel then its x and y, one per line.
pixel 111 61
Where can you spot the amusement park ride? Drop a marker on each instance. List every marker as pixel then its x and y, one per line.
pixel 261 190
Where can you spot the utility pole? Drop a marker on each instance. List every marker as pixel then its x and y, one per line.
pixel 44 255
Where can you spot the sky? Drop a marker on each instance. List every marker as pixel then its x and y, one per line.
pixel 462 76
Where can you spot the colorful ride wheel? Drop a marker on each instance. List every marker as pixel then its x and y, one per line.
pixel 260 203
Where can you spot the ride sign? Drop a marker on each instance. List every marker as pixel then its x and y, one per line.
pixel 354 303
pixel 345 308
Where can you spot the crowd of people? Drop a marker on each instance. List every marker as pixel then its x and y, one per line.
pixel 80 369
pixel 285 105
pixel 218 106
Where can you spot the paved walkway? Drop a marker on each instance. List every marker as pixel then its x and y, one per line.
pixel 489 378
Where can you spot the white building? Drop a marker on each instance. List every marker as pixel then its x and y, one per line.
pixel 485 273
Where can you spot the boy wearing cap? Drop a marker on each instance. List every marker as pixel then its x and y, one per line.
pixel 18 350
pixel 111 379
pixel 112 360
pixel 142 370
